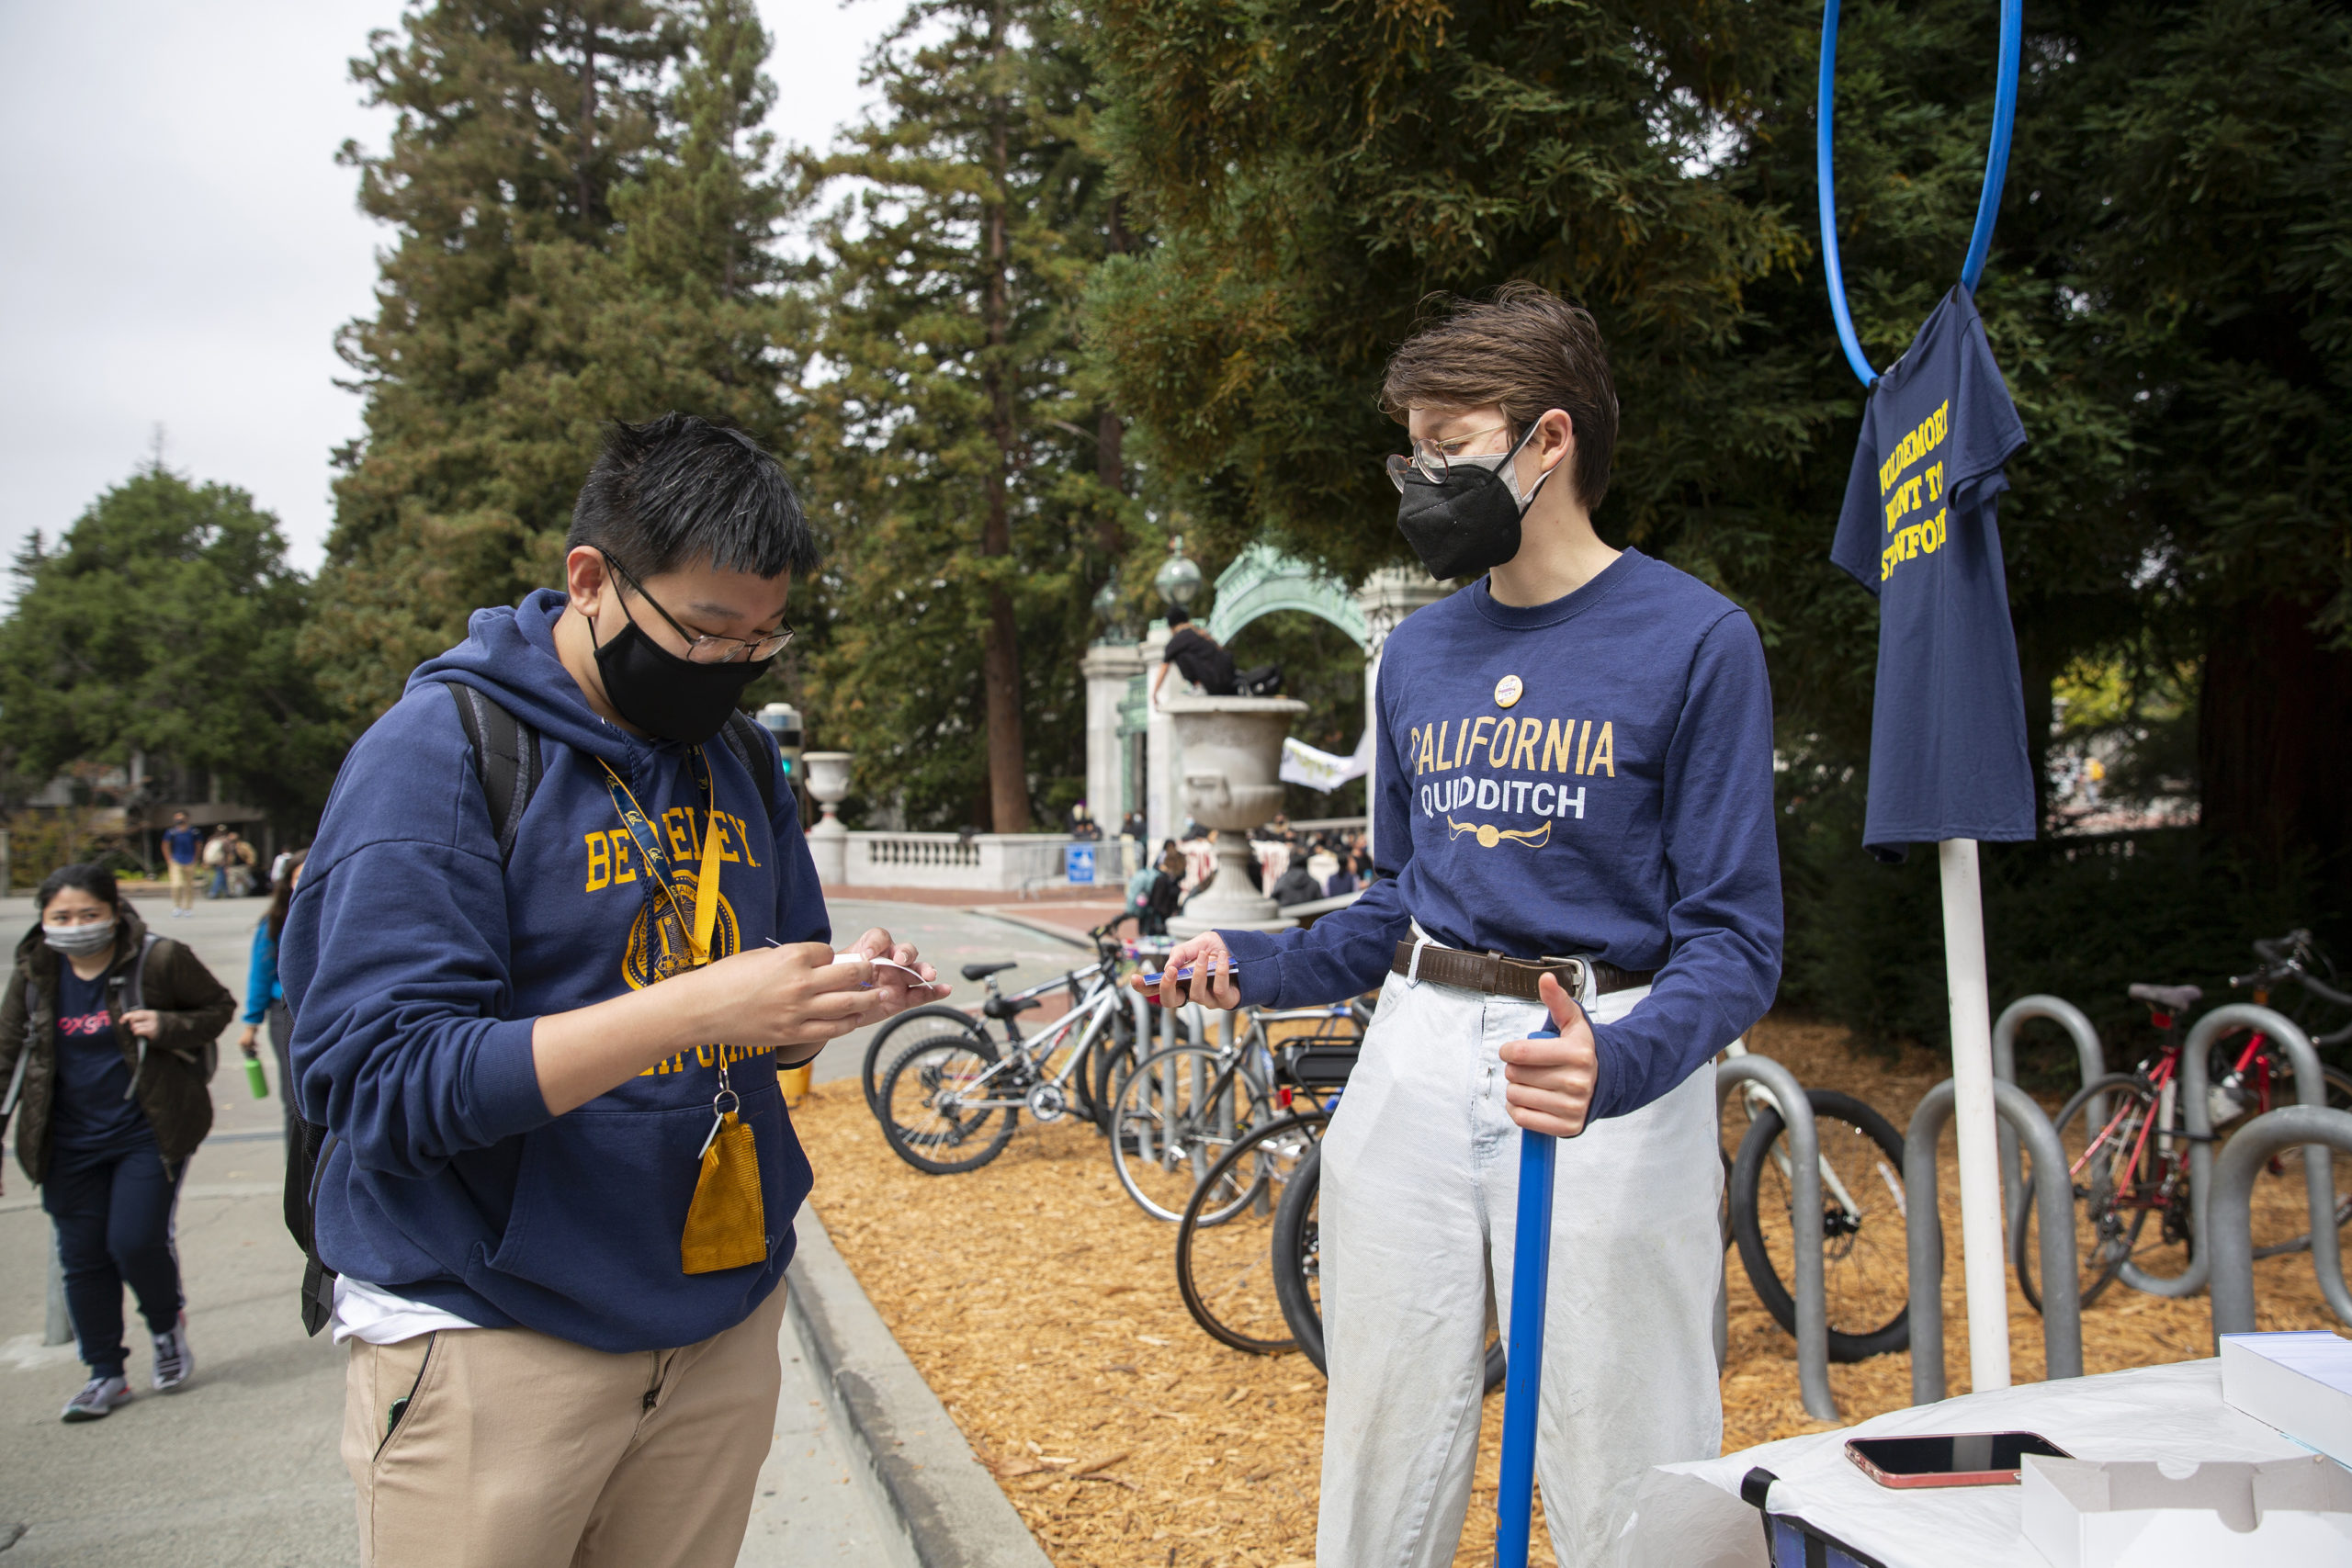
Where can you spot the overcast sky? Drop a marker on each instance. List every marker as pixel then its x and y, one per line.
pixel 179 246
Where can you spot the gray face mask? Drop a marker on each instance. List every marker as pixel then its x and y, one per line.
pixel 77 941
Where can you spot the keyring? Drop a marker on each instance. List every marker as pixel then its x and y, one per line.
pixel 1988 205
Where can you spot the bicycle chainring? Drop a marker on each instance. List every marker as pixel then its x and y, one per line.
pixel 1047 1103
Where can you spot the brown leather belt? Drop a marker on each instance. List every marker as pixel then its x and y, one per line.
pixel 1515 977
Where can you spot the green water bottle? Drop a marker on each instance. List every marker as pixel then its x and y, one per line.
pixel 253 1076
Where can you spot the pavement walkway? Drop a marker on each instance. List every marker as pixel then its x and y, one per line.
pixel 240 1469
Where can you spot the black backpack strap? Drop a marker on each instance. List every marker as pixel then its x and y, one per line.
pixel 506 759
pixel 755 748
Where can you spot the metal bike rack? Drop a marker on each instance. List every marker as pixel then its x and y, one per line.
pixel 2062 1309
pixel 2231 1246
pixel 1805 1214
pixel 2311 1090
pixel 2093 1060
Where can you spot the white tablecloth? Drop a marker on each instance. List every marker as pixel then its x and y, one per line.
pixel 1690 1516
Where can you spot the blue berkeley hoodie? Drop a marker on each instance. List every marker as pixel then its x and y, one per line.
pixel 416 966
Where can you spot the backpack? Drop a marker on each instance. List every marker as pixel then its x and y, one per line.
pixel 507 762
pixel 127 993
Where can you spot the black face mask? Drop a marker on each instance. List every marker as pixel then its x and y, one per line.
pixel 1466 524
pixel 665 696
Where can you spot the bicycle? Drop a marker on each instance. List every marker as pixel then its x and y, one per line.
pixel 937 1018
pixel 1185 1105
pixel 1865 1273
pixel 950 1102
pixel 2134 1164
pixel 1298 1270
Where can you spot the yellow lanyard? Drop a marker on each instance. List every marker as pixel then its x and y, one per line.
pixel 650 855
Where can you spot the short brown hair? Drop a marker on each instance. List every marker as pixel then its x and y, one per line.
pixel 1525 350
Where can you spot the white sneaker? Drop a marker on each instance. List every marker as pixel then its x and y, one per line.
pixel 175 1362
pixel 97 1399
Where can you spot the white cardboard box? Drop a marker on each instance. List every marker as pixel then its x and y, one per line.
pixel 2301 1384
pixel 2130 1514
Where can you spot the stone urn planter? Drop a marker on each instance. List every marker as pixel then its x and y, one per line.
pixel 1232 749
pixel 828 840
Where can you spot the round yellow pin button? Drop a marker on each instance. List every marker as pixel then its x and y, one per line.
pixel 1507 691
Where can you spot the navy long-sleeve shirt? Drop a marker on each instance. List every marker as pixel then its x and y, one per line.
pixel 1618 805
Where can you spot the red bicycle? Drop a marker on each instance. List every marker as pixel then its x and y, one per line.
pixel 2133 1164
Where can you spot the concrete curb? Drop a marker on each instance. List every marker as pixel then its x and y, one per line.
pixel 922 1472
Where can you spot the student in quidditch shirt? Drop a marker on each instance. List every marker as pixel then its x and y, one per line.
pixel 560 1190
pixel 1574 820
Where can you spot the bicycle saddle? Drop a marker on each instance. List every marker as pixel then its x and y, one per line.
pixel 1005 1007
pixel 2172 999
pixel 982 971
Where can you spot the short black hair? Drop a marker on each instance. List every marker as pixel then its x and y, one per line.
pixel 1178 615
pixel 679 489
pixel 94 880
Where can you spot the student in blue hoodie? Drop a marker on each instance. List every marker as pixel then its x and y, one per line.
pixel 1573 822
pixel 559 1182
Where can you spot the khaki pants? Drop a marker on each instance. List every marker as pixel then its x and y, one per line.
pixel 520 1450
pixel 183 887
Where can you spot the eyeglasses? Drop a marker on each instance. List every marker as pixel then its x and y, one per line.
pixel 1429 460
pixel 705 649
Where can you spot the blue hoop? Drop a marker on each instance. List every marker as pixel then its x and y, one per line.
pixel 1988 205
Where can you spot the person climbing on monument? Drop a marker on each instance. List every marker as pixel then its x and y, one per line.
pixel 1206 664
pixel 1574 821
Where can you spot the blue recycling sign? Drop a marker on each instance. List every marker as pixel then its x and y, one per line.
pixel 1078 862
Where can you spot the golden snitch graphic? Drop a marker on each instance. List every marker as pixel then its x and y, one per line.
pixel 1489 835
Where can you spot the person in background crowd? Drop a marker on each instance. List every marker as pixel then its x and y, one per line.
pixel 181 845
pixel 277 866
pixel 216 861
pixel 1082 824
pixel 243 858
pixel 1295 886
pixel 264 998
pixel 1133 827
pixel 111 1099
pixel 1139 890
pixel 1321 864
pixel 1167 891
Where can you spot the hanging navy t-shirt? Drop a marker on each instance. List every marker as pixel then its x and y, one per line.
pixel 91 1112
pixel 1947 745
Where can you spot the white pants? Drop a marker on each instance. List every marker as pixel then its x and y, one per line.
pixel 1420 1184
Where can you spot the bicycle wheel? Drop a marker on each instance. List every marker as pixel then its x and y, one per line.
pixel 924 1114
pixel 1298 1271
pixel 1176 1114
pixel 2123 1173
pixel 895 1036
pixel 2281 1202
pixel 1864 1273
pixel 1114 1055
pixel 1224 1250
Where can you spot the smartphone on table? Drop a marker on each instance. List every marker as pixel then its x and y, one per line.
pixel 1961 1459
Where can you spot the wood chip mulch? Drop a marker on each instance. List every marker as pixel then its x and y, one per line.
pixel 1040 1303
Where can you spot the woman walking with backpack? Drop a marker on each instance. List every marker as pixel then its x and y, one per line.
pixel 107 1043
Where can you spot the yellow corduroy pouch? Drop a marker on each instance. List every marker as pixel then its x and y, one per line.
pixel 726 1222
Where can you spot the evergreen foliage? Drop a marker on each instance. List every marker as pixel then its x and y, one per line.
pixel 164 621
pixel 584 209
pixel 961 461
pixel 2167 296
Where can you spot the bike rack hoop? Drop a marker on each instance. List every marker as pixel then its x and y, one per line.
pixel 1805 1156
pixel 2196 1112
pixel 2062 1308
pixel 2087 1054
pixel 2230 1245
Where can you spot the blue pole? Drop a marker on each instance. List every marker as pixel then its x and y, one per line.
pixel 1823 139
pixel 1996 158
pixel 1530 1275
